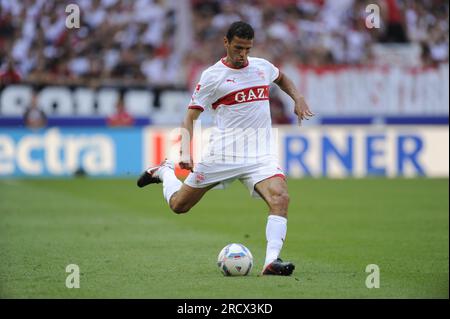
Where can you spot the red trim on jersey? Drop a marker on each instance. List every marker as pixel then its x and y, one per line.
pixel 277 175
pixel 278 77
pixel 196 107
pixel 258 93
pixel 223 60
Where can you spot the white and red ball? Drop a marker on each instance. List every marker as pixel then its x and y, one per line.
pixel 235 260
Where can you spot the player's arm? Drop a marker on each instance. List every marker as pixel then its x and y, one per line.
pixel 301 108
pixel 188 124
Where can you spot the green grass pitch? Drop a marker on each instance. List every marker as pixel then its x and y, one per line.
pixel 128 244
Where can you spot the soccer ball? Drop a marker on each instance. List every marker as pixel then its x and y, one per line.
pixel 235 260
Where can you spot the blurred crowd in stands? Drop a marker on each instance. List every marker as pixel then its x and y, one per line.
pixel 135 42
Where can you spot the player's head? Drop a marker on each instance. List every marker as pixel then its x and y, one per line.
pixel 238 42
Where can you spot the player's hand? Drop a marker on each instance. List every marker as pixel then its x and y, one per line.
pixel 301 109
pixel 186 165
pixel 185 162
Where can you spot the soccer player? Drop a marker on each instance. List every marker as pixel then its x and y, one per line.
pixel 236 90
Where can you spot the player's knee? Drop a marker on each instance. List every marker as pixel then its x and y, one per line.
pixel 279 203
pixel 281 198
pixel 285 199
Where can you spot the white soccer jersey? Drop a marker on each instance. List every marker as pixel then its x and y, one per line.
pixel 239 99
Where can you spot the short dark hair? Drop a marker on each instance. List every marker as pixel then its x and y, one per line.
pixel 241 30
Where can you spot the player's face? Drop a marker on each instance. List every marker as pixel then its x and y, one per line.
pixel 238 50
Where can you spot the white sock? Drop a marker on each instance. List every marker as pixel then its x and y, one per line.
pixel 275 233
pixel 171 183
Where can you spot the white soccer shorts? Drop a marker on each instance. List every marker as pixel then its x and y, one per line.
pixel 206 174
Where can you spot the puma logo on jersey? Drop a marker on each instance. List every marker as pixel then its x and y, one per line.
pixel 231 80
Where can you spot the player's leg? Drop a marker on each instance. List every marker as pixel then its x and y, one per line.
pixel 186 197
pixel 274 191
pixel 179 196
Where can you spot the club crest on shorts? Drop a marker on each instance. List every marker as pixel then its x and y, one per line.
pixel 199 177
